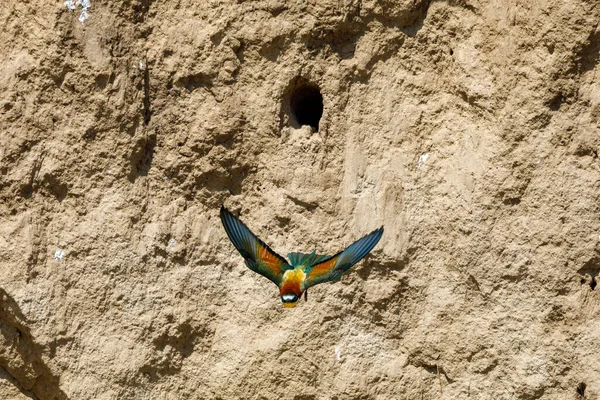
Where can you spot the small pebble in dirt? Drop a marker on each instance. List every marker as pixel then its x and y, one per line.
pixel 422 159
pixel 85 5
pixel 59 254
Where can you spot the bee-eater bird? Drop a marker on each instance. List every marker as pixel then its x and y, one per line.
pixel 303 270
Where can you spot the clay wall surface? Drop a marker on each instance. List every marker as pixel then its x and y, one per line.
pixel 469 129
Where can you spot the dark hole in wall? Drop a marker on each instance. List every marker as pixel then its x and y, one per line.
pixel 306 105
pixel 581 389
pixel 591 268
pixel 556 102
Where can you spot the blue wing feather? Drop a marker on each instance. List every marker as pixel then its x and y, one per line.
pixel 332 268
pixel 258 256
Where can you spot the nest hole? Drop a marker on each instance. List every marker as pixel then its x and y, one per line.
pixel 306 105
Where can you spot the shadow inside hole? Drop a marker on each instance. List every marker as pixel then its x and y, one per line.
pixel 593 282
pixel 592 269
pixel 581 389
pixel 306 106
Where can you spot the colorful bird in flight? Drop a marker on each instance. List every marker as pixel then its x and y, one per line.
pixel 303 270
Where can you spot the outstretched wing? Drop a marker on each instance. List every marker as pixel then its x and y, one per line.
pixel 332 268
pixel 258 256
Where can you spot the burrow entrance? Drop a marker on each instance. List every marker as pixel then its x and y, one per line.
pixel 305 105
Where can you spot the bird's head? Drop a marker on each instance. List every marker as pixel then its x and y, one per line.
pixel 289 300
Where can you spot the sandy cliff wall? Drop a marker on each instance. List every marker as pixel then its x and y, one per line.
pixel 469 129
